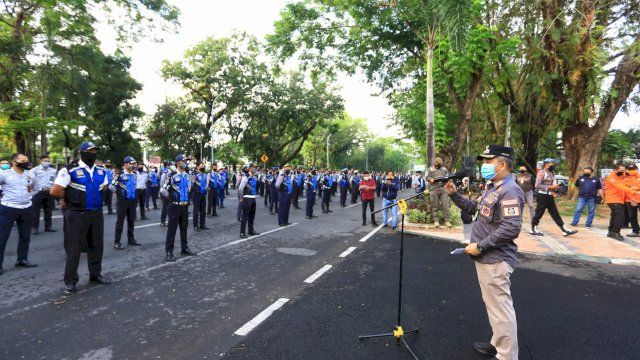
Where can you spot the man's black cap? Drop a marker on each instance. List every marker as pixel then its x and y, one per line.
pixel 493 151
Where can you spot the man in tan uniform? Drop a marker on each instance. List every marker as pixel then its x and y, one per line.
pixel 439 199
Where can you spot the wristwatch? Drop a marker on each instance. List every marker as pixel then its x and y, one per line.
pixel 480 248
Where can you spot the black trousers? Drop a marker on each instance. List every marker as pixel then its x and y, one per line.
pixel 284 199
pixel 296 195
pixel 617 217
pixel 344 190
pixel 24 219
pixel 125 208
pixel 311 199
pixel 141 197
pixel 354 195
pixel 85 230
pixel 632 214
pixel 199 209
pixel 267 196
pixel 546 202
pixel 42 200
pixel 248 214
pixel 107 196
pixel 165 205
pixel 154 196
pixel 326 197
pixel 369 203
pixel 178 216
pixel 273 200
pixel 212 198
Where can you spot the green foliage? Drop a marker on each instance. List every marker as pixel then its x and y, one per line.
pixel 176 128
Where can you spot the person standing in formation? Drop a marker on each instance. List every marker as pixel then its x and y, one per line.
pixel 45 175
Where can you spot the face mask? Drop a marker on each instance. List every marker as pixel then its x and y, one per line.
pixel 172 168
pixel 551 168
pixel 5 166
pixel 88 158
pixel 201 169
pixel 587 174
pixel 523 171
pixel 488 171
pixel 108 166
pixel 619 173
pixel 438 166
pixel 24 165
pixel 287 172
pixel 46 164
pixel 633 172
pixel 182 165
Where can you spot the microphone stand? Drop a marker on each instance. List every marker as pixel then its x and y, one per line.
pixel 398 332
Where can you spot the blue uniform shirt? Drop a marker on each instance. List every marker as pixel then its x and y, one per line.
pixel 125 186
pixel 154 179
pixel 179 187
pixel 588 186
pixel 83 187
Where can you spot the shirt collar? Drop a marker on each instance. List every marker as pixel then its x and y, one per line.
pixel 83 165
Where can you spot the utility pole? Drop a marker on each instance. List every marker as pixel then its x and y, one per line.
pixel 507 133
pixel 328 137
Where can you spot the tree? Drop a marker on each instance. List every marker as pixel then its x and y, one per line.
pixel 220 75
pixel 347 134
pixel 55 25
pixel 176 128
pixel 285 111
pixel 392 44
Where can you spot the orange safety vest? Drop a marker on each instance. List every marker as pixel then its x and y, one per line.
pixel 615 189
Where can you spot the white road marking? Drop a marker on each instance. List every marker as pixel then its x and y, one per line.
pixel 253 323
pixel 347 252
pixel 371 233
pixel 350 206
pixel 144 271
pixel 317 274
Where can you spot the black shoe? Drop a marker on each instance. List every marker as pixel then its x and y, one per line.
pixel 243 235
pixel 204 228
pixel 163 224
pixel 394 228
pixel 271 213
pixel 144 218
pixel 308 217
pixel 187 252
pixel 118 246
pixel 50 230
pixel 155 208
pixel 148 209
pixel 485 348
pixel 282 224
pixel 374 224
pixel 99 280
pixel 133 242
pixel 110 213
pixel 615 236
pixel 253 233
pixel 1 271
pixel 364 224
pixel 329 211
pixel 170 257
pixel 196 229
pixel 36 231
pixel 25 264
pixel 70 290
pixel 209 216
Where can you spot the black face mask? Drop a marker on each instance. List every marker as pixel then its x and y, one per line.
pixel 551 168
pixel 438 166
pixel 287 172
pixel 523 171
pixel 88 158
pixel 587 174
pixel 23 165
pixel 620 173
pixel 201 170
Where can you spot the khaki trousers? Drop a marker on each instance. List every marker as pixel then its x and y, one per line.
pixel 495 284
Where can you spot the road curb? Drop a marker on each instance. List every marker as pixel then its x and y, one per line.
pixel 598 259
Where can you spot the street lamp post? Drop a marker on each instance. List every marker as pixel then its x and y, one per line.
pixel 328 137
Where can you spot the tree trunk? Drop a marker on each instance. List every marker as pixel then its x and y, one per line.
pixel 582 146
pixel 430 110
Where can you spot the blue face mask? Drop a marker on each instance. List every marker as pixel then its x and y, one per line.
pixel 488 171
pixel 46 164
pixel 5 166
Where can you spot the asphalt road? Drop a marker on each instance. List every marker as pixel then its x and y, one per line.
pixel 192 309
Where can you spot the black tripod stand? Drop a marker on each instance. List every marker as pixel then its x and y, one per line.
pixel 398 331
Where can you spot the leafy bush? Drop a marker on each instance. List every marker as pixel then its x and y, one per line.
pixel 419 212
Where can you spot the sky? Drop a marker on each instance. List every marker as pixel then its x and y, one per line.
pixel 203 18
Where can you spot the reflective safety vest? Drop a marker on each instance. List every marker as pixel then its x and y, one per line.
pixel 83 193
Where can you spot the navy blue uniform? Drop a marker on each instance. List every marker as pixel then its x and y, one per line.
pixel 248 187
pixel 199 197
pixel 285 190
pixel 125 189
pixel 312 187
pixel 178 210
pixel 84 218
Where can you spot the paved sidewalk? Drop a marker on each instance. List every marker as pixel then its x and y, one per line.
pixel 591 244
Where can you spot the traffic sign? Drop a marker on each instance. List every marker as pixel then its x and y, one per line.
pixel 264 158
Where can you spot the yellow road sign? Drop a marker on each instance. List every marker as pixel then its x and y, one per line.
pixel 402 205
pixel 264 158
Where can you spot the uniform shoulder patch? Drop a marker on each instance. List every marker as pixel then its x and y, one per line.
pixel 509 202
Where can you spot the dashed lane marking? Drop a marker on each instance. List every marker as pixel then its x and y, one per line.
pixel 369 235
pixel 253 323
pixel 347 252
pixel 317 274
